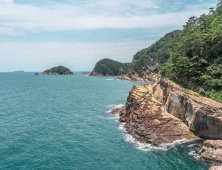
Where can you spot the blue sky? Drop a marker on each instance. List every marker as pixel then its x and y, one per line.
pixel 39 34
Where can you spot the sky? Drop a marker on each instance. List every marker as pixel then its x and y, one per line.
pixel 36 35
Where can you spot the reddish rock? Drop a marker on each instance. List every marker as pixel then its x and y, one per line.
pixel 118 110
pixel 148 121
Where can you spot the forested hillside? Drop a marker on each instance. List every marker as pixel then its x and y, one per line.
pixel 155 56
pixel 196 59
pixel 110 67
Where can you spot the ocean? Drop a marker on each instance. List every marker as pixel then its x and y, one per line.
pixel 64 122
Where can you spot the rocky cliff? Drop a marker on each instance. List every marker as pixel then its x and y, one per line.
pixel 164 111
pixel 133 76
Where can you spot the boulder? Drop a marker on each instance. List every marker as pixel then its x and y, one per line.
pixel 36 73
pixel 211 150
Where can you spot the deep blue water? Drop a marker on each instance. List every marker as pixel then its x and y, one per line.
pixel 62 122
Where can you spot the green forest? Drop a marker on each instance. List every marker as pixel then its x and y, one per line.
pixel 196 58
pixel 59 70
pixel 162 49
pixel 110 67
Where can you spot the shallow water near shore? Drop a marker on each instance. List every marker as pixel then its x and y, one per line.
pixel 63 122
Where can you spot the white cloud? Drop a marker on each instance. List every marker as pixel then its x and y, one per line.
pixel 76 56
pixel 94 14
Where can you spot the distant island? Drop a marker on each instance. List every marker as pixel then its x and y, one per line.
pixel 60 70
pixel 19 71
pixel 108 67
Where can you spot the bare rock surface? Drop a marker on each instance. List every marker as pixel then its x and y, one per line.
pixel 134 77
pixel 163 112
pixel 202 115
pixel 95 74
pixel 148 121
pixel 216 168
pixel 211 150
pixel 36 73
pixel 119 110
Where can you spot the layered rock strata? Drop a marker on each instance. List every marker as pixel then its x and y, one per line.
pixel 211 150
pixel 148 121
pixel 133 76
pixel 164 111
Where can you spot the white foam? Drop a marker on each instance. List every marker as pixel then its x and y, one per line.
pixel 109 79
pixel 194 154
pixel 116 117
pixel 192 145
pixel 148 147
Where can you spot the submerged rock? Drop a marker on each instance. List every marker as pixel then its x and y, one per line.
pixel 211 150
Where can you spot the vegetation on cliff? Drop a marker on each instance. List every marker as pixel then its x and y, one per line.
pixel 60 70
pixel 156 55
pixel 196 59
pixel 111 67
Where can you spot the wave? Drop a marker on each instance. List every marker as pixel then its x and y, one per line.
pixel 115 106
pixel 148 147
pixel 109 79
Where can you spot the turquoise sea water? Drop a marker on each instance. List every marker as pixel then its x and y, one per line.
pixel 63 122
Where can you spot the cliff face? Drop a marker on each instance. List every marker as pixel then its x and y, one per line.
pixel 148 121
pixel 163 112
pixel 133 76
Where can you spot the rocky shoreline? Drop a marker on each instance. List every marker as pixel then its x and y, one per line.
pixel 66 73
pixel 163 112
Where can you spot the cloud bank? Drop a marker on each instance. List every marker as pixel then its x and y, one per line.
pixel 93 14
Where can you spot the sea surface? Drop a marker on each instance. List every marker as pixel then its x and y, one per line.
pixel 63 122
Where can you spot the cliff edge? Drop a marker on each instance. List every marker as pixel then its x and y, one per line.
pixel 163 112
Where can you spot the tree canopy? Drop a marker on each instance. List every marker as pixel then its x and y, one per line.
pixel 196 58
pixel 156 55
pixel 59 70
pixel 110 67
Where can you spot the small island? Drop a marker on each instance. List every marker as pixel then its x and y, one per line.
pixel 60 70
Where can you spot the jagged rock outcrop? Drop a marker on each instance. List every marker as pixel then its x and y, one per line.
pixel 120 111
pixel 148 121
pixel 95 74
pixel 133 76
pixel 211 150
pixel 202 115
pixel 36 73
pixel 164 111
pixel 216 168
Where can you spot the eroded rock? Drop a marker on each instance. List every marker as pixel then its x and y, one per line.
pixel 216 168
pixel 211 150
pixel 148 121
